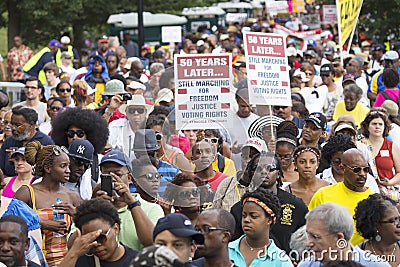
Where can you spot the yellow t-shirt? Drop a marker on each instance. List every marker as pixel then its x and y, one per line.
pixel 358 113
pixel 100 89
pixel 341 195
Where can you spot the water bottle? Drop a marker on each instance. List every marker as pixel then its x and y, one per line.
pixel 57 216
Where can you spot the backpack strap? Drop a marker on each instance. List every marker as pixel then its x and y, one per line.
pixel 221 163
pixel 386 96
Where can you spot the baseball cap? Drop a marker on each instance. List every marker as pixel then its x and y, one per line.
pixel 81 148
pixel 256 143
pixel 329 50
pixel 378 47
pixel 326 69
pixel 54 42
pixel 318 119
pixel 346 126
pixel 65 40
pixel 312 42
pixel 348 77
pixel 103 39
pixel 118 157
pixel 65 54
pixel 179 225
pixel 391 55
pixel 165 94
pixel 310 53
pixel 19 151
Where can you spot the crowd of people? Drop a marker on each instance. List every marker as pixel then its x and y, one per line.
pixel 94 173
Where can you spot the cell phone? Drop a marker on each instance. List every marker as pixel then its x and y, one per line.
pixel 107 184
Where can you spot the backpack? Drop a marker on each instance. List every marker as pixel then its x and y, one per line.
pixel 387 97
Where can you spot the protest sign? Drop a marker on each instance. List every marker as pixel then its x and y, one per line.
pixel 171 34
pixel 299 6
pixel 348 10
pixel 276 7
pixel 203 95
pixel 267 69
pixel 329 14
pixel 300 38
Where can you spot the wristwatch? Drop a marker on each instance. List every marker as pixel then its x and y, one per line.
pixel 134 204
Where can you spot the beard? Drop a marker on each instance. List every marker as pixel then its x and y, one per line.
pixel 21 137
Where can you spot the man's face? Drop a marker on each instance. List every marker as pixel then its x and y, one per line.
pixel 136 115
pixel 17 41
pixel 284 112
pixel 266 173
pixel 77 168
pixel 32 90
pixel 121 171
pixel 203 156
pixel 103 46
pixel 319 240
pixel 21 129
pixel 13 244
pixel 50 75
pixel 137 69
pixel 311 132
pixel 247 154
pixel 355 172
pixel 244 109
pixel 353 66
pixel 111 63
pixel 213 240
pixel 181 246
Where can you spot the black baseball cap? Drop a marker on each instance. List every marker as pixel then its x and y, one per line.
pixel 318 119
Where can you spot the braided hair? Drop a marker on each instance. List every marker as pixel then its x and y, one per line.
pixel 39 156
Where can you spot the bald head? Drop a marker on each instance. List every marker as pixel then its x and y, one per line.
pixel 354 156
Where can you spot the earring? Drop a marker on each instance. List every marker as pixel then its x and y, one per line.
pixel 378 238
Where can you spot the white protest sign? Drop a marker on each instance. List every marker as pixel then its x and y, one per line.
pixel 203 95
pixel 276 7
pixel 329 14
pixel 171 34
pixel 267 69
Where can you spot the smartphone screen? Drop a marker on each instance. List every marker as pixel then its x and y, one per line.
pixel 106 183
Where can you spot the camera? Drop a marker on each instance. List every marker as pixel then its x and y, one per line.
pixel 126 96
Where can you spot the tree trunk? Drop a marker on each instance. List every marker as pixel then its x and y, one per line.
pixel 78 36
pixel 14 22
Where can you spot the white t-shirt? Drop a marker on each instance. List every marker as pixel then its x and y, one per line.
pixel 315 97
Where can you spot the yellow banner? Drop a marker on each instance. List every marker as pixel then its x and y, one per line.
pixel 299 6
pixel 349 11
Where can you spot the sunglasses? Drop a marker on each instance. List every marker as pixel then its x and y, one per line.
pixel 79 133
pixel 358 169
pixel 65 90
pixel 31 87
pixel 159 136
pixel 279 107
pixel 268 167
pixel 57 150
pixel 186 194
pixel 207 229
pixel 133 110
pixel 80 162
pixel 102 238
pixel 53 108
pixel 336 161
pixel 286 157
pixel 213 140
pixel 151 176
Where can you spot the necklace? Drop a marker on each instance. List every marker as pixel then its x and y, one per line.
pixel 373 249
pixel 260 248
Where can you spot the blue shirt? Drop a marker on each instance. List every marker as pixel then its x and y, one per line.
pixel 275 256
pixel 363 257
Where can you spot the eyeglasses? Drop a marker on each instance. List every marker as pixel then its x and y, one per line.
pixel 207 229
pixel 336 161
pixel 102 238
pixel 16 126
pixel 31 87
pixel 53 108
pixel 286 157
pixel 213 140
pixel 358 169
pixel 268 167
pixel 151 176
pixel 57 150
pixel 279 107
pixel 133 110
pixel 395 221
pixel 79 133
pixel 80 162
pixel 195 192
pixel 65 90
pixel 159 136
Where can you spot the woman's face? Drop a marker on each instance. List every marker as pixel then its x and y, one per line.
pixel 148 181
pixel 336 160
pixel 108 248
pixel 192 135
pixel 21 166
pixel 60 168
pixel 188 196
pixel 53 107
pixel 350 100
pixel 65 92
pixel 376 127
pixel 74 132
pixel 255 223
pixel 307 164
pixel 285 153
pixel 390 226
